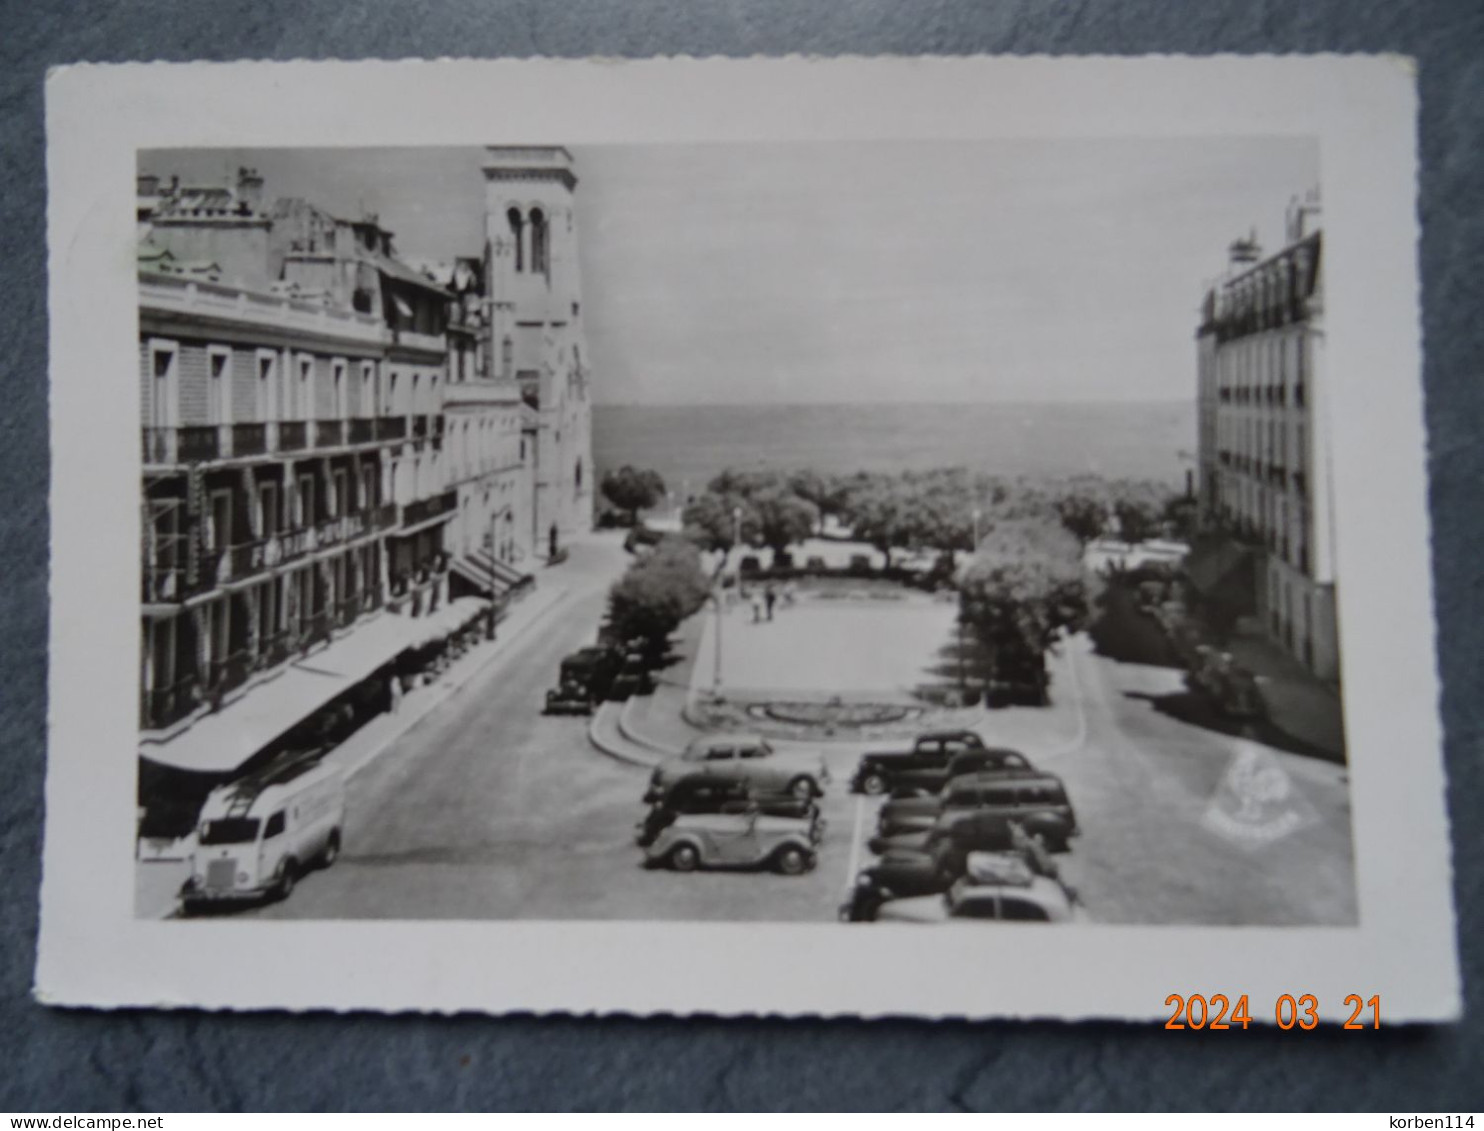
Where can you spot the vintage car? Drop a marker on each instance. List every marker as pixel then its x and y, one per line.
pixel 925 781
pixel 741 836
pixel 1232 688
pixel 970 791
pixel 583 680
pixel 1038 806
pixel 1033 899
pixel 694 795
pixel 742 757
pixel 905 873
pixel 884 770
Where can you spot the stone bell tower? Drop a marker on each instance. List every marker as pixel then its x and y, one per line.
pixel 535 328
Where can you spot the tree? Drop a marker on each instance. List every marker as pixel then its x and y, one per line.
pixel 633 489
pixel 1182 515
pixel 710 521
pixel 879 509
pixel 827 492
pixel 1024 586
pixel 783 519
pixel 1138 520
pixel 657 593
pixel 1083 515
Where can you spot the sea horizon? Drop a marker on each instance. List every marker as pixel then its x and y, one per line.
pixel 688 444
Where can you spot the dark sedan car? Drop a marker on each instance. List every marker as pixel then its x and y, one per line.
pixel 969 791
pixel 1038 804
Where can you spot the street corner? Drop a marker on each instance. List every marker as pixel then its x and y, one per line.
pixel 1257 802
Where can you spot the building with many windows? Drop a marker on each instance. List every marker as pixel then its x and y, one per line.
pixel 292 379
pixel 1264 478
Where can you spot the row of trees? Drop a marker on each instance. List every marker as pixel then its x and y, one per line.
pixel 1024 586
pixel 939 510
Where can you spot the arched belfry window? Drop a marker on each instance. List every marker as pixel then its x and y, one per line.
pixel 517 226
pixel 539 242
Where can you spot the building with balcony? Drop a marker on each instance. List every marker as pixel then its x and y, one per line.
pixel 1264 465
pixel 293 489
pixel 534 334
pixel 486 453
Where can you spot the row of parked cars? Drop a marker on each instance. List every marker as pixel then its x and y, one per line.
pixel 967 833
pixel 733 801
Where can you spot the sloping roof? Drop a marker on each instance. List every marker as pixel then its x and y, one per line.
pixel 396 269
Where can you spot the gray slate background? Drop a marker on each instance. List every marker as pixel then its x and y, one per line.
pixel 55 1061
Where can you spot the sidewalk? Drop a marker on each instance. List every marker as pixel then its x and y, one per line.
pixel 1299 704
pixel 157 882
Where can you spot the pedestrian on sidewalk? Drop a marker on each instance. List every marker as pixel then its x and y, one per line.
pixel 770 598
pixel 756 599
pixel 394 685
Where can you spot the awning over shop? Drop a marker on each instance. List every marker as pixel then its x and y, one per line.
pixel 220 742
pixel 448 620
pixel 477 568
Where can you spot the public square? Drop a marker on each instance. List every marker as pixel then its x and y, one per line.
pixel 487 809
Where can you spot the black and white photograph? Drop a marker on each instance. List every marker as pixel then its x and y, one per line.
pixel 943 525
pixel 878 533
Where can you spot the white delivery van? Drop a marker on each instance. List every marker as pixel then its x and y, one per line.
pixel 257 836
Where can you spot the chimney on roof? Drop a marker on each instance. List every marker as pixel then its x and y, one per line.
pixel 249 190
pixel 1245 251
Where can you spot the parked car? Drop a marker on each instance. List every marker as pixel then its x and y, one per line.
pixel 1038 805
pixel 931 753
pixel 258 836
pixel 694 795
pixel 740 837
pixel 1038 901
pixel 969 791
pixel 902 873
pixel 927 781
pixel 584 679
pixel 1230 686
pixel 743 757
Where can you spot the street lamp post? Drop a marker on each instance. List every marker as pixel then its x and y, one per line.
pixel 718 599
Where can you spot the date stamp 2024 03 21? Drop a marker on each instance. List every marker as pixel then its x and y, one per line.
pixel 1220 1011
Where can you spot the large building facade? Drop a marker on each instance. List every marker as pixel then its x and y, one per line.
pixel 1264 475
pixel 293 490
pixel 535 333
pixel 346 459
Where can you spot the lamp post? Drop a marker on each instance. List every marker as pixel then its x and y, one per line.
pixel 718 599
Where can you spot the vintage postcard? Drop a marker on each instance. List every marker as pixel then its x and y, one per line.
pixel 941 537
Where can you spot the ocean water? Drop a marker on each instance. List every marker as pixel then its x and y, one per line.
pixel 688 444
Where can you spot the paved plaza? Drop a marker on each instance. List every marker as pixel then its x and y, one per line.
pixel 857 646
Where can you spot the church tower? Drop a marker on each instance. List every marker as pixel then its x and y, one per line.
pixel 535 328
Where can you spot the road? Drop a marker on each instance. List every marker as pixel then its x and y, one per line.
pixel 489 810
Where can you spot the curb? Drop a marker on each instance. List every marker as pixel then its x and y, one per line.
pixel 606 745
pixel 449 690
pixel 631 732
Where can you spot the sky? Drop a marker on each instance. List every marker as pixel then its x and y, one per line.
pixel 947 272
